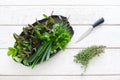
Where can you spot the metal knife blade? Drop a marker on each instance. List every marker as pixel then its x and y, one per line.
pixel 86 33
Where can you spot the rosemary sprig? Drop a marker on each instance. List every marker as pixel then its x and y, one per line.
pixel 87 54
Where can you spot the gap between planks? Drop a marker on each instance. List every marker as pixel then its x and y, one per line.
pixel 61 5
pixel 70 24
pixel 81 48
pixel 69 75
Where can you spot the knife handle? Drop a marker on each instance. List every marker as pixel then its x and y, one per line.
pixel 98 22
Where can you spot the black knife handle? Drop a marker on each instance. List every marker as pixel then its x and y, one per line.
pixel 98 22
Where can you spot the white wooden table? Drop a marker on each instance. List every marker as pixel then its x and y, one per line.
pixel 16 14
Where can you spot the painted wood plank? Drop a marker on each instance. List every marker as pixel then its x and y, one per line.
pixel 60 77
pixel 19 15
pixel 103 35
pixel 60 2
pixel 62 64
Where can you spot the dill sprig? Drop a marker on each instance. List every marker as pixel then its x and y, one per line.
pixel 87 54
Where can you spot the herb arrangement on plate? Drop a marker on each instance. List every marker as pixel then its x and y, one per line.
pixel 39 41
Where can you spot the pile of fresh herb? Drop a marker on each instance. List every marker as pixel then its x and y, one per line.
pixel 39 41
pixel 87 54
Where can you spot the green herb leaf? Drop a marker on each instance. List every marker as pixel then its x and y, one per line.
pixel 62 36
pixel 45 15
pixel 51 20
pixel 46 36
pixel 19 60
pixel 26 62
pixel 16 36
pixel 37 32
pixel 12 51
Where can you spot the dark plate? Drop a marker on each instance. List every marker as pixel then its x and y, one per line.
pixel 57 19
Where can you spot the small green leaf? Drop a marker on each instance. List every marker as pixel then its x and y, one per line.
pixel 16 36
pixel 19 47
pixel 26 62
pixel 51 20
pixel 12 51
pixel 19 60
pixel 37 32
pixel 45 15
pixel 46 36
pixel 25 31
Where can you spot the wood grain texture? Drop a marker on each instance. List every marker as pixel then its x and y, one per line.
pixel 63 64
pixel 19 15
pixel 103 35
pixel 15 14
pixel 59 78
pixel 60 2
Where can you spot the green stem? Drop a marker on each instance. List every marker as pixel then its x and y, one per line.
pixel 43 55
pixel 38 52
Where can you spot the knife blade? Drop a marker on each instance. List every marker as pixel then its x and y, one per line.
pixel 86 33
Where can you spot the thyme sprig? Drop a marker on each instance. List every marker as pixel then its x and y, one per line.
pixel 87 54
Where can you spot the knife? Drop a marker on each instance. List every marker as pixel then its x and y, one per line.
pixel 86 33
